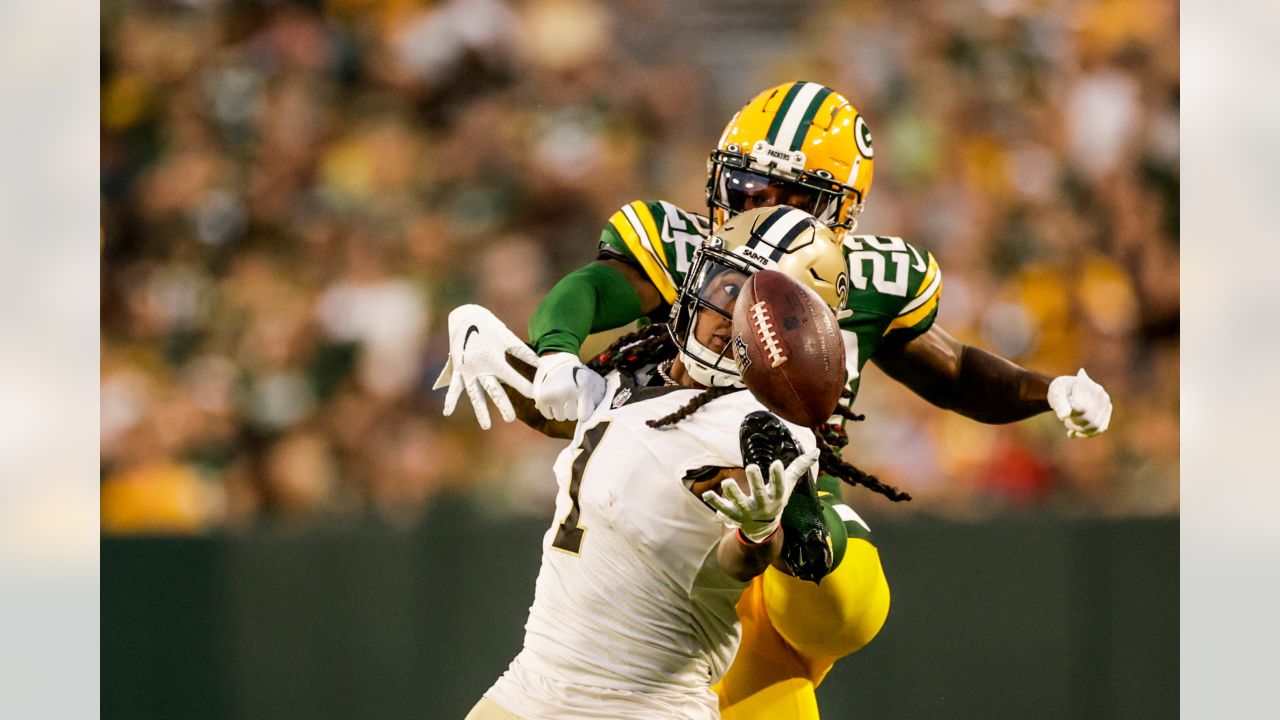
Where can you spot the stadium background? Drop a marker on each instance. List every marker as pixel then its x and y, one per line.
pixel 295 194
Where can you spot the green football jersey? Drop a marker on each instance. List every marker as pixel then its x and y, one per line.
pixel 894 287
pixel 894 290
pixel 660 237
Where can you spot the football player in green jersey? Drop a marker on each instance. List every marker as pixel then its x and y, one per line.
pixel 803 145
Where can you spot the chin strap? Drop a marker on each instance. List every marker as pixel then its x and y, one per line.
pixel 707 377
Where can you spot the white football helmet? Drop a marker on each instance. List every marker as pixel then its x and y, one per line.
pixel 779 238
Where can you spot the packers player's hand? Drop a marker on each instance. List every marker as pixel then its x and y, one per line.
pixel 758 515
pixel 1081 404
pixel 478 346
pixel 565 389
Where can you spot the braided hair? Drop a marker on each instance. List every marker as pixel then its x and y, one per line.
pixel 653 344
pixel 831 439
pixel 648 345
pixel 834 433
pixel 830 462
pixel 693 405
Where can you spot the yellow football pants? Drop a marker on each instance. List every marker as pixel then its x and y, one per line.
pixel 793 632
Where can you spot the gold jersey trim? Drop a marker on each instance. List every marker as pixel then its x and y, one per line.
pixel 634 222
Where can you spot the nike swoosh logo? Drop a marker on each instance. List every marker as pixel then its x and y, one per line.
pixel 470 331
pixel 575 376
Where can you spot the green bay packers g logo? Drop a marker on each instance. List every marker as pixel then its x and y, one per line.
pixel 862 134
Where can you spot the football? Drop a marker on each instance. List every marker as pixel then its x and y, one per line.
pixel 788 349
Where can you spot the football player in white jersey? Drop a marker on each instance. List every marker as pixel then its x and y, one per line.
pixel 634 614
pixel 800 144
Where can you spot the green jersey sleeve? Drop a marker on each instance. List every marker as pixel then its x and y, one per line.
pixel 658 237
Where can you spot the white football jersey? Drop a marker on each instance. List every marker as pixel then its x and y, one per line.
pixel 632 616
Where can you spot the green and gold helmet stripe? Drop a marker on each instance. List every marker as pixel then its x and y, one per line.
pixel 806 122
pixel 634 223
pixel 795 115
pixel 771 137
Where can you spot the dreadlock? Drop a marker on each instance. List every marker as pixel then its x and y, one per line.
pixel 834 433
pixel 830 462
pixel 831 439
pixel 652 344
pixel 649 344
pixel 845 412
pixel 692 406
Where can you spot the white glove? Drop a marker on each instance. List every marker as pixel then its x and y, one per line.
pixel 478 344
pixel 565 389
pixel 757 515
pixel 1081 404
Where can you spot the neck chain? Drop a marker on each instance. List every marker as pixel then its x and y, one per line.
pixel 663 369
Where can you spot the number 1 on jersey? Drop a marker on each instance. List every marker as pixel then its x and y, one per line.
pixel 569 534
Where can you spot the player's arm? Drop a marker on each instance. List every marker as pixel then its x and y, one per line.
pixel 631 278
pixel 988 388
pixel 752 519
pixel 740 558
pixel 969 380
pixel 528 414
pixel 743 559
pixel 603 295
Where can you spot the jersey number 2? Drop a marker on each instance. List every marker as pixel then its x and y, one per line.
pixel 569 534
pixel 896 250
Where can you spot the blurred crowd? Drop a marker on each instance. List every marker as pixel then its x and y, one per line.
pixel 295 194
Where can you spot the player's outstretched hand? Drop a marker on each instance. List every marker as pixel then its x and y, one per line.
pixel 478 346
pixel 565 389
pixel 1081 404
pixel 757 515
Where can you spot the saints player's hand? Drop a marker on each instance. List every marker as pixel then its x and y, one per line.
pixel 1081 404
pixel 757 515
pixel 478 346
pixel 565 389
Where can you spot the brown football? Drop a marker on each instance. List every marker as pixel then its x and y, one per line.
pixel 787 345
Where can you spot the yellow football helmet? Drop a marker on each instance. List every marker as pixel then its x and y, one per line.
pixel 780 238
pixel 798 144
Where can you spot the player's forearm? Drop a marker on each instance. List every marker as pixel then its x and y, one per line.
pixel 968 380
pixel 590 299
pixel 743 560
pixel 528 413
pixel 991 389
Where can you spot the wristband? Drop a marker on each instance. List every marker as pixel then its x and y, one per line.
pixel 750 543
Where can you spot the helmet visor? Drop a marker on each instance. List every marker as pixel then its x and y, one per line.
pixel 719 286
pixel 739 190
pixel 711 292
